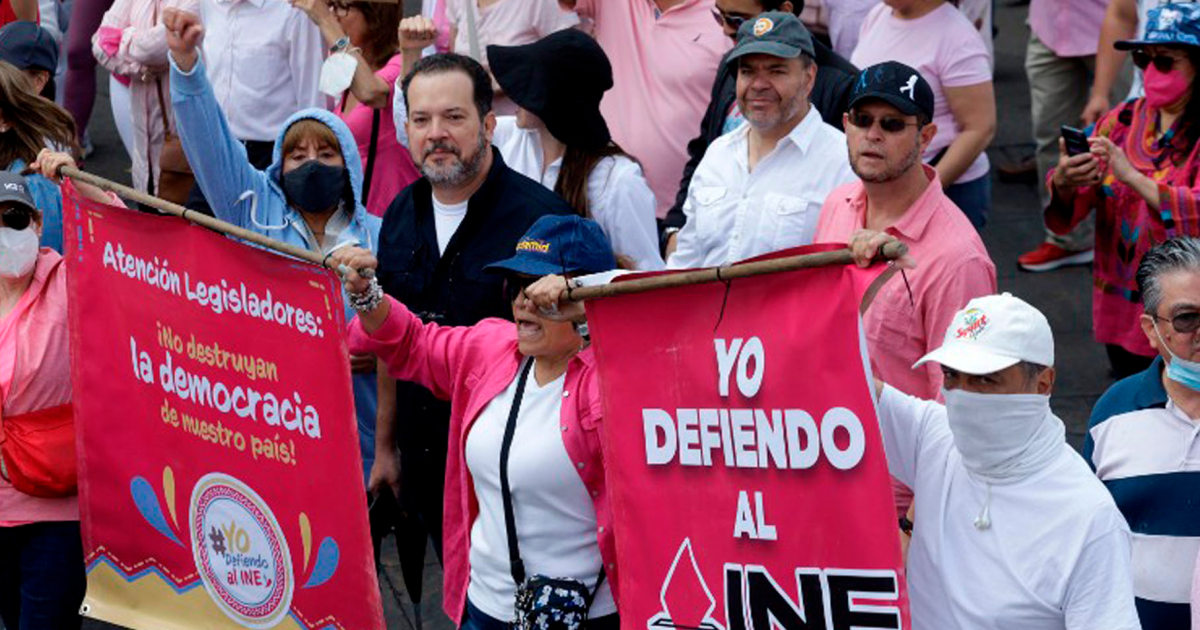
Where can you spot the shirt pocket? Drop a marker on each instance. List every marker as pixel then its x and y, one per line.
pixel 791 220
pixel 707 204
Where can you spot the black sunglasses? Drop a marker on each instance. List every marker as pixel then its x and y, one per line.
pixel 516 285
pixel 1162 63
pixel 724 19
pixel 1183 323
pixel 17 218
pixel 890 124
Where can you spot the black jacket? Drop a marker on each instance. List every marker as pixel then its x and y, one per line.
pixel 830 95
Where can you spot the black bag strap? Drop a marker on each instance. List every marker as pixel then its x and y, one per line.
pixel 366 190
pixel 510 524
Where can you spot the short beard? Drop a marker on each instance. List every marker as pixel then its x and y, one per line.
pixel 892 173
pixel 458 174
pixel 788 112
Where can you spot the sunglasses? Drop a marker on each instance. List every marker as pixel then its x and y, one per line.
pixel 340 9
pixel 724 19
pixel 890 124
pixel 16 218
pixel 515 286
pixel 1162 63
pixel 1183 323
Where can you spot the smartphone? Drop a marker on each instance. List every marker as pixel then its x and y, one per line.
pixel 1075 139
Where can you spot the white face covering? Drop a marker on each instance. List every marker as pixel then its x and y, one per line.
pixel 1003 437
pixel 18 251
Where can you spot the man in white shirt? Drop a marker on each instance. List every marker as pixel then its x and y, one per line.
pixel 263 59
pixel 1011 529
pixel 759 189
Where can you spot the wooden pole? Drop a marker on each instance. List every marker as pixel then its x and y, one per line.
pixel 198 218
pixel 890 251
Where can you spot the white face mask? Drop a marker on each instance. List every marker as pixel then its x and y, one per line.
pixel 1003 437
pixel 18 251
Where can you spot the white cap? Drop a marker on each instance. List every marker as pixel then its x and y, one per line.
pixel 992 333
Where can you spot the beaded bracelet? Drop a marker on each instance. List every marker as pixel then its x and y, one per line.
pixel 367 300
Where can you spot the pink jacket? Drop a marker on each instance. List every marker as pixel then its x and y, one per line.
pixel 470 366
pixel 132 42
pixel 41 379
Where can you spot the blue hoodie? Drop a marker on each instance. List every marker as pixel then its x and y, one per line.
pixel 224 174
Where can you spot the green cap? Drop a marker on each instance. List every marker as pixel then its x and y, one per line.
pixel 775 33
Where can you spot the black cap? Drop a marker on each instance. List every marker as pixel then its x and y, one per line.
pixel 28 46
pixel 774 33
pixel 561 79
pixel 13 189
pixel 897 85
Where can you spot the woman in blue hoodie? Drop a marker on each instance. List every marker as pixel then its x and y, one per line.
pixel 310 195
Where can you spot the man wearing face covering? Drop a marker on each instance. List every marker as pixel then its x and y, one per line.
pixel 1144 443
pixel 1011 528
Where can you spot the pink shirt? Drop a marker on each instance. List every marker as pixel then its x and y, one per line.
pixel 663 70
pixel 1070 28
pixel 952 267
pixel 948 52
pixel 394 168
pixel 469 366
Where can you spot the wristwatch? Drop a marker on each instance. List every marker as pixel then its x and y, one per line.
pixel 341 44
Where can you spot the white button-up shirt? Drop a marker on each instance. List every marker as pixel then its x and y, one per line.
pixel 734 213
pixel 263 59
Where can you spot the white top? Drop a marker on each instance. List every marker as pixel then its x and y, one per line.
pixel 263 60
pixel 734 214
pixel 1150 450
pixel 555 517
pixel 506 23
pixel 446 219
pixel 1056 556
pixel 621 201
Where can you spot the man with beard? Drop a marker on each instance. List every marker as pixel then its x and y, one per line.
pixel 468 211
pixel 887 127
pixel 760 188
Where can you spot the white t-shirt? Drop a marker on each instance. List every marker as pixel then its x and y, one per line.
pixel 1055 557
pixel 619 198
pixel 446 219
pixel 555 516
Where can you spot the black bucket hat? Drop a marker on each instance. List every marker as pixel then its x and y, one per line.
pixel 561 79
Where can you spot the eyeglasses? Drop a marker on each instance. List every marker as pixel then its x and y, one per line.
pixel 1183 323
pixel 724 19
pixel 1162 63
pixel 890 124
pixel 516 285
pixel 340 9
pixel 16 218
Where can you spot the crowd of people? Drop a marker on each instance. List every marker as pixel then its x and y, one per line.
pixel 481 155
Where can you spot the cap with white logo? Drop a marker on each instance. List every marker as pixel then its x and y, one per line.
pixel 14 190
pixel 992 333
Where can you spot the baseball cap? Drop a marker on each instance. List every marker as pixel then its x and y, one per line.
pixel 897 85
pixel 13 189
pixel 992 333
pixel 28 46
pixel 560 244
pixel 1168 25
pixel 774 33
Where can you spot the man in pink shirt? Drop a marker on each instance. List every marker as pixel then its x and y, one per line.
pixel 887 128
pixel 664 56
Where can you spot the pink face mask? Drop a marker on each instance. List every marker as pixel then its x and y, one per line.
pixel 1164 88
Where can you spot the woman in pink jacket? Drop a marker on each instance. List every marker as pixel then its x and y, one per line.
pixel 524 430
pixel 132 42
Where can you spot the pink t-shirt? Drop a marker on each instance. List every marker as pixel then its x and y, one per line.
pixel 394 168
pixel 663 70
pixel 945 48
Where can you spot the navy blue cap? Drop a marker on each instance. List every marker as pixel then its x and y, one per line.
pixel 1168 25
pixel 27 45
pixel 897 85
pixel 560 244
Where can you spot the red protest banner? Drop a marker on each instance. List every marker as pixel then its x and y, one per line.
pixel 744 459
pixel 220 479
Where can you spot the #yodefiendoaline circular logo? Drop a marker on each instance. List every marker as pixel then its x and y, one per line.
pixel 240 551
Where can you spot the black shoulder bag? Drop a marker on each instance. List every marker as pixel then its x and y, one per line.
pixel 542 603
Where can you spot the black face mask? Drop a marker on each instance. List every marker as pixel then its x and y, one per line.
pixel 314 187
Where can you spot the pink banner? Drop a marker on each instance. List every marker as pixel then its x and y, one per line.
pixel 220 478
pixel 744 459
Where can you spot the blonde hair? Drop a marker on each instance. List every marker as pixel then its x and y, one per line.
pixel 33 120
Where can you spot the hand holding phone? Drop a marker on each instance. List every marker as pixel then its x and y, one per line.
pixel 1075 139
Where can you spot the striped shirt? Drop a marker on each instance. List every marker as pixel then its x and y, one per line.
pixel 1147 453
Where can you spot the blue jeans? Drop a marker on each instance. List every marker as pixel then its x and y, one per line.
pixel 974 198
pixel 41 576
pixel 476 619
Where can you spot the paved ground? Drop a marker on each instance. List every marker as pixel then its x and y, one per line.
pixel 1014 227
